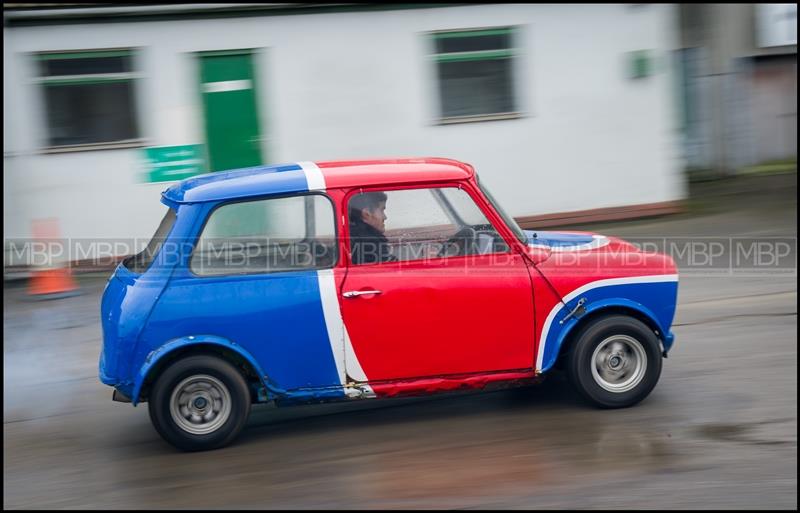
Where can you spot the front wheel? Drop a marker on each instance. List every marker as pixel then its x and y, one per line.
pixel 615 362
pixel 199 403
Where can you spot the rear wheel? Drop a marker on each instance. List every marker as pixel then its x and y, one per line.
pixel 199 403
pixel 615 362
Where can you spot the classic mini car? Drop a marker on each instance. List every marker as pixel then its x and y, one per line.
pixel 327 281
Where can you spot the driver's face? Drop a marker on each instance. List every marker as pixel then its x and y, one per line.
pixel 376 217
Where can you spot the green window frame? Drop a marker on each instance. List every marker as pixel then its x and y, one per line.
pixel 89 97
pixel 475 73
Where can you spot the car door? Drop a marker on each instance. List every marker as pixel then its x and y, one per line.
pixel 424 313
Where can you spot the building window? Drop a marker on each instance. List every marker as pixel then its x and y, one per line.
pixel 89 97
pixel 640 64
pixel 475 73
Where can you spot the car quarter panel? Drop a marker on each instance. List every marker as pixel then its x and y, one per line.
pixel 278 318
pixel 127 302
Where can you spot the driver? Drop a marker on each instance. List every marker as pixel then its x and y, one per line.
pixel 367 226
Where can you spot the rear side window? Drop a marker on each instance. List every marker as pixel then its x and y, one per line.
pixel 265 236
pixel 141 261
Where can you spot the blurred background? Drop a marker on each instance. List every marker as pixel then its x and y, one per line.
pixel 567 112
pixel 670 121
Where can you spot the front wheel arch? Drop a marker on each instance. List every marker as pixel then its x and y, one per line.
pixel 571 337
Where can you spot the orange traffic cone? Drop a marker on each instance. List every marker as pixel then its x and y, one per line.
pixel 53 282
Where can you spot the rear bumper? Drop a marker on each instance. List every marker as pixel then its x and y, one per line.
pixel 105 378
pixel 123 390
pixel 669 339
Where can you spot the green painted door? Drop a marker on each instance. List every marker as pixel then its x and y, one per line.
pixel 229 104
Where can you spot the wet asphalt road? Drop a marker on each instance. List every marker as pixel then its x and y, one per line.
pixel 718 431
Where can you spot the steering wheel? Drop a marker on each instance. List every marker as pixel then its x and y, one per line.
pixel 463 242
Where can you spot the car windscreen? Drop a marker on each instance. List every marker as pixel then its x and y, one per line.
pixel 139 262
pixel 510 222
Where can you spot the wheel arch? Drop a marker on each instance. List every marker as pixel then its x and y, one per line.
pixel 570 334
pixel 176 349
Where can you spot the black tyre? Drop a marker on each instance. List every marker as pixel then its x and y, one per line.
pixel 615 361
pixel 199 403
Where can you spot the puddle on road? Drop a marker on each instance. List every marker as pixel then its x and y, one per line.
pixel 463 463
pixel 374 457
pixel 768 432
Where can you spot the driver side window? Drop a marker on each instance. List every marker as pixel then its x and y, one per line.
pixel 418 224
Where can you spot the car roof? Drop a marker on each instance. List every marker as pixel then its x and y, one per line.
pixel 305 176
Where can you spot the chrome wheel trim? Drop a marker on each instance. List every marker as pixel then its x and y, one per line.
pixel 619 363
pixel 200 404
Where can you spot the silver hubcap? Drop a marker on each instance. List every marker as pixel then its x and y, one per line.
pixel 619 363
pixel 200 404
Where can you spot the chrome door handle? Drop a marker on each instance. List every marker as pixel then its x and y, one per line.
pixel 355 293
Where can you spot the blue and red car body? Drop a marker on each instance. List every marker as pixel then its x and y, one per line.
pixel 302 342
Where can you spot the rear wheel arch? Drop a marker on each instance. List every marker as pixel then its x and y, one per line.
pixel 241 363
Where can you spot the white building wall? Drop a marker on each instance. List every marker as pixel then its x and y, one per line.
pixel 360 85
